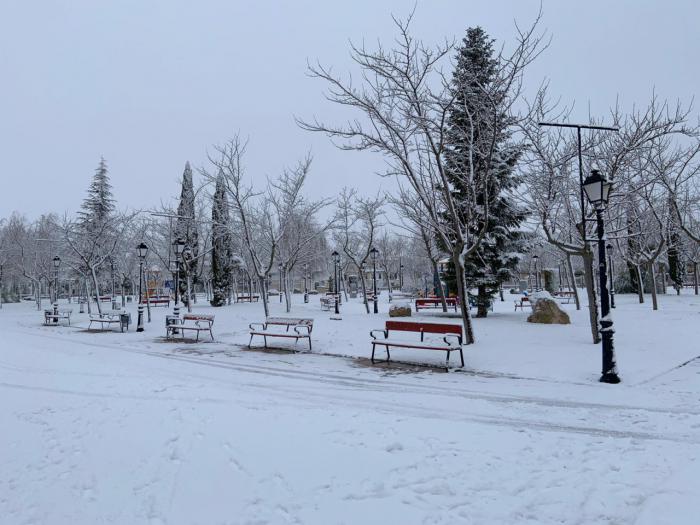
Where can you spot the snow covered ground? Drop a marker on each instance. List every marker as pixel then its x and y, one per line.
pixel 130 429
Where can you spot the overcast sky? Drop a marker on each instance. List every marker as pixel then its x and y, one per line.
pixel 150 84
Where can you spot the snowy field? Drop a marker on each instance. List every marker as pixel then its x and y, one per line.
pixel 130 429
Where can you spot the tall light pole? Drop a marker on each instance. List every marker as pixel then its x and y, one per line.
pixel 111 267
pixel 400 274
pixel 612 275
pixel 536 258
pixel 597 190
pixel 306 285
pixel 178 248
pixel 56 265
pixel 279 269
pixel 336 263
pixel 374 252
pixel 141 252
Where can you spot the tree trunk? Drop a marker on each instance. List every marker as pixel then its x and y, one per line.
pixel 262 283
pixel 441 288
pixel 287 292
pixel 654 298
pixel 640 283
pixel 482 300
pixel 188 282
pixel 469 338
pixel 588 275
pixel 97 289
pixel 364 290
pixel 570 275
pixel 695 277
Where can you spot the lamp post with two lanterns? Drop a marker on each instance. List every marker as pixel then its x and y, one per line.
pixel 374 253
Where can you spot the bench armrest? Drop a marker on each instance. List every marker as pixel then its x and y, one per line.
pixel 452 340
pixel 385 332
pixel 262 325
pixel 305 326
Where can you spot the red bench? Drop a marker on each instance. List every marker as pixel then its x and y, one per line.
pixel 155 301
pixel 246 298
pixel 451 338
pixel 431 302
pixel 524 301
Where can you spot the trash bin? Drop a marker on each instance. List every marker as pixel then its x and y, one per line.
pixel 124 320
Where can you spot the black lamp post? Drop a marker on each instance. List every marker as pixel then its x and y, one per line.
pixel 141 252
pixel 306 284
pixel 597 190
pixel 374 252
pixel 56 265
pixel 336 263
pixel 178 248
pixel 611 265
pixel 536 258
pixel 400 276
pixel 279 269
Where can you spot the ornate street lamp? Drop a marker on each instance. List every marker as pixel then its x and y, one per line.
pixel 178 248
pixel 141 252
pixel 56 265
pixel 536 258
pixel 279 270
pixel 374 253
pixel 597 189
pixel 336 263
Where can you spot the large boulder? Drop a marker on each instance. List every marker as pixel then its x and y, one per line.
pixel 546 310
pixel 400 310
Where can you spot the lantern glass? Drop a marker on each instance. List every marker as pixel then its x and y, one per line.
pixel 142 250
pixel 597 188
pixel 56 262
pixel 374 253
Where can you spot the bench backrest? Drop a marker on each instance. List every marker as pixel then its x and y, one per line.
pixel 290 321
pixel 198 317
pixel 424 328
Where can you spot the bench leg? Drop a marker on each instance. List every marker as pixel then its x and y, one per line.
pixel 211 334
pixel 372 358
pixel 309 338
pixel 461 355
pixel 388 355
pixel 447 362
pixel 250 340
pixel 265 338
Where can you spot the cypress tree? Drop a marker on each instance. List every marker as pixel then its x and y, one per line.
pixel 186 229
pixel 221 255
pixel 471 133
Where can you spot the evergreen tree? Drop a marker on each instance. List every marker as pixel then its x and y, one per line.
pixel 98 206
pixel 676 270
pixel 186 229
pixel 221 255
pixel 474 140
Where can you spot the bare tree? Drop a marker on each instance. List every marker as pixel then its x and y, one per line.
pixel 405 100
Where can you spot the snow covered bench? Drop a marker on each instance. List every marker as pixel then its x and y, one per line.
pixel 247 298
pixel 53 317
pixel 328 302
pixel 432 302
pixel 524 301
pixel 121 318
pixel 194 322
pixel 451 340
pixel 302 329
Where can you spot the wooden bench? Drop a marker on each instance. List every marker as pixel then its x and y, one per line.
pixel 53 319
pixel 105 298
pixel 247 298
pixel 566 296
pixel 522 303
pixel 327 302
pixel 121 318
pixel 430 303
pixel 302 329
pixel 451 338
pixel 195 322
pixel 156 301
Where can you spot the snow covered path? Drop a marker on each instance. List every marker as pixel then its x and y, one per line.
pixel 105 428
